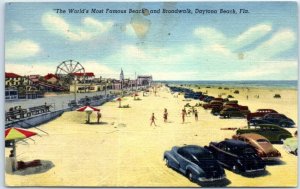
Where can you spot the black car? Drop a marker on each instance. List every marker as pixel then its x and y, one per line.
pixel 231 112
pixel 237 156
pixel 273 118
pixel 216 110
pixel 196 162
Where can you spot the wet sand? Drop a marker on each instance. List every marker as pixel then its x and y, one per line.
pixel 124 150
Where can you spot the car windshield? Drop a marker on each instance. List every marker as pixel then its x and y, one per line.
pixel 262 141
pixel 201 156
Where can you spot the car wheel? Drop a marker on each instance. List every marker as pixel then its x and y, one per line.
pixel 229 116
pixel 190 176
pixel 296 152
pixel 167 162
pixel 235 169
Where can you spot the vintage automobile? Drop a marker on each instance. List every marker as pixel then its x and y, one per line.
pixel 208 99
pixel 273 118
pixel 231 102
pixel 196 162
pixel 212 104
pixel 216 110
pixel 260 113
pixel 262 145
pixel 291 145
pixel 237 156
pixel 273 133
pixel 229 112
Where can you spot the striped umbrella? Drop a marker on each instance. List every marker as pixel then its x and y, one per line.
pixel 88 110
pixel 17 133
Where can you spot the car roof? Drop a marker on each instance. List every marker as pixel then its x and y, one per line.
pixel 266 110
pixel 267 125
pixel 275 114
pixel 236 143
pixel 193 149
pixel 253 136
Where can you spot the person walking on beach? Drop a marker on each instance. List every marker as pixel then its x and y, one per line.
pixel 196 115
pixel 152 119
pixel 165 115
pixel 98 116
pixel 183 114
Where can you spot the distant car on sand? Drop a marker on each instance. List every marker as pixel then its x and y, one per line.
pixel 196 162
pixel 262 145
pixel 229 112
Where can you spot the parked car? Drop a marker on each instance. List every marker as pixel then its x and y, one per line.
pixel 196 162
pixel 237 156
pixel 273 133
pixel 260 113
pixel 216 110
pixel 228 112
pixel 203 97
pixel 273 118
pixel 231 102
pixel 208 99
pixel 212 104
pixel 261 144
pixel 291 145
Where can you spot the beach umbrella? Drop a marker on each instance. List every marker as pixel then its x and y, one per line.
pixel 88 110
pixel 15 133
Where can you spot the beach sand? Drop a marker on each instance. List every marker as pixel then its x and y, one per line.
pixel 126 151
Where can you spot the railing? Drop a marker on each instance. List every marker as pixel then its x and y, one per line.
pixel 19 113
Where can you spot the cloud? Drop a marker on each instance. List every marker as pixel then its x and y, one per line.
pixel 99 69
pixel 20 49
pixel 279 42
pixel 17 27
pixel 252 34
pixel 44 68
pixel 180 75
pixel 90 29
pixel 30 69
pixel 269 68
pixel 210 35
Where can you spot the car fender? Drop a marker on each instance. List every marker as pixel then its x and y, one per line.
pixel 173 162
pixel 196 170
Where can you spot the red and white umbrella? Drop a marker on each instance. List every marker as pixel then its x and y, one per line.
pixel 87 109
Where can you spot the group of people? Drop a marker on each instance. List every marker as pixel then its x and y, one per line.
pixel 184 114
pixel 165 116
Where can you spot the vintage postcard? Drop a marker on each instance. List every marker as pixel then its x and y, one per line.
pixel 156 94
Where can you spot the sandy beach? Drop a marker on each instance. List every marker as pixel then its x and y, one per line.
pixel 124 150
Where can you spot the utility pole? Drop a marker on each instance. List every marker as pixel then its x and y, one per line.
pixel 75 89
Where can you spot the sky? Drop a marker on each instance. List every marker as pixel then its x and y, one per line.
pixel 258 45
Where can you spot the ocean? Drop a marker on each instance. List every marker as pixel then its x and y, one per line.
pixel 286 84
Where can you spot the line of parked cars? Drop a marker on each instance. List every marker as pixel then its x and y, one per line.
pixel 248 150
pixel 243 154
pixel 226 108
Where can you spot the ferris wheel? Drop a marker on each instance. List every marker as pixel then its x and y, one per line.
pixel 67 70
